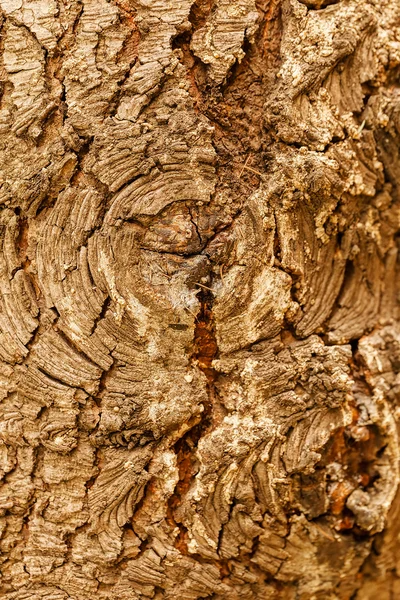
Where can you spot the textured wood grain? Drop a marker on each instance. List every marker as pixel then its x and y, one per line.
pixel 199 299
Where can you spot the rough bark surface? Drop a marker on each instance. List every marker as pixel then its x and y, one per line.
pixel 199 307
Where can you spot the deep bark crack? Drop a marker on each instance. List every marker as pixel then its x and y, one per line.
pixel 205 351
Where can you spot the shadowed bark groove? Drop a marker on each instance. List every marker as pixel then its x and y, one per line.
pixel 199 299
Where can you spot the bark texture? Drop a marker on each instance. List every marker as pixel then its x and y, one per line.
pixel 199 306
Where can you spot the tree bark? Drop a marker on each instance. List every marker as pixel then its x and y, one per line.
pixel 199 308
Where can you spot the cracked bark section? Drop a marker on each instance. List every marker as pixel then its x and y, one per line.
pixel 205 351
pixel 199 300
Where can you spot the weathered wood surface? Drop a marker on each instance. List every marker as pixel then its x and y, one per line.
pixel 199 308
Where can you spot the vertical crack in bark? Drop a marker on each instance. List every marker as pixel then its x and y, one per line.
pixel 205 351
pixel 22 243
pixel 205 343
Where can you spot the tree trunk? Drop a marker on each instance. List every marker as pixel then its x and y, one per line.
pixel 199 318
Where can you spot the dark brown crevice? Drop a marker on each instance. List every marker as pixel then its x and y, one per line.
pixel 22 243
pixel 186 470
pixel 98 462
pixel 205 351
pixel 205 343
pixel 102 314
pixel 81 155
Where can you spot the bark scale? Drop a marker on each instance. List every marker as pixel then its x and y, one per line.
pixel 199 307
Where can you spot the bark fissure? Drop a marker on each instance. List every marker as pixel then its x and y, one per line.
pixel 205 350
pixel 199 299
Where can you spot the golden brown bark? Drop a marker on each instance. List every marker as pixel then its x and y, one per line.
pixel 199 299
